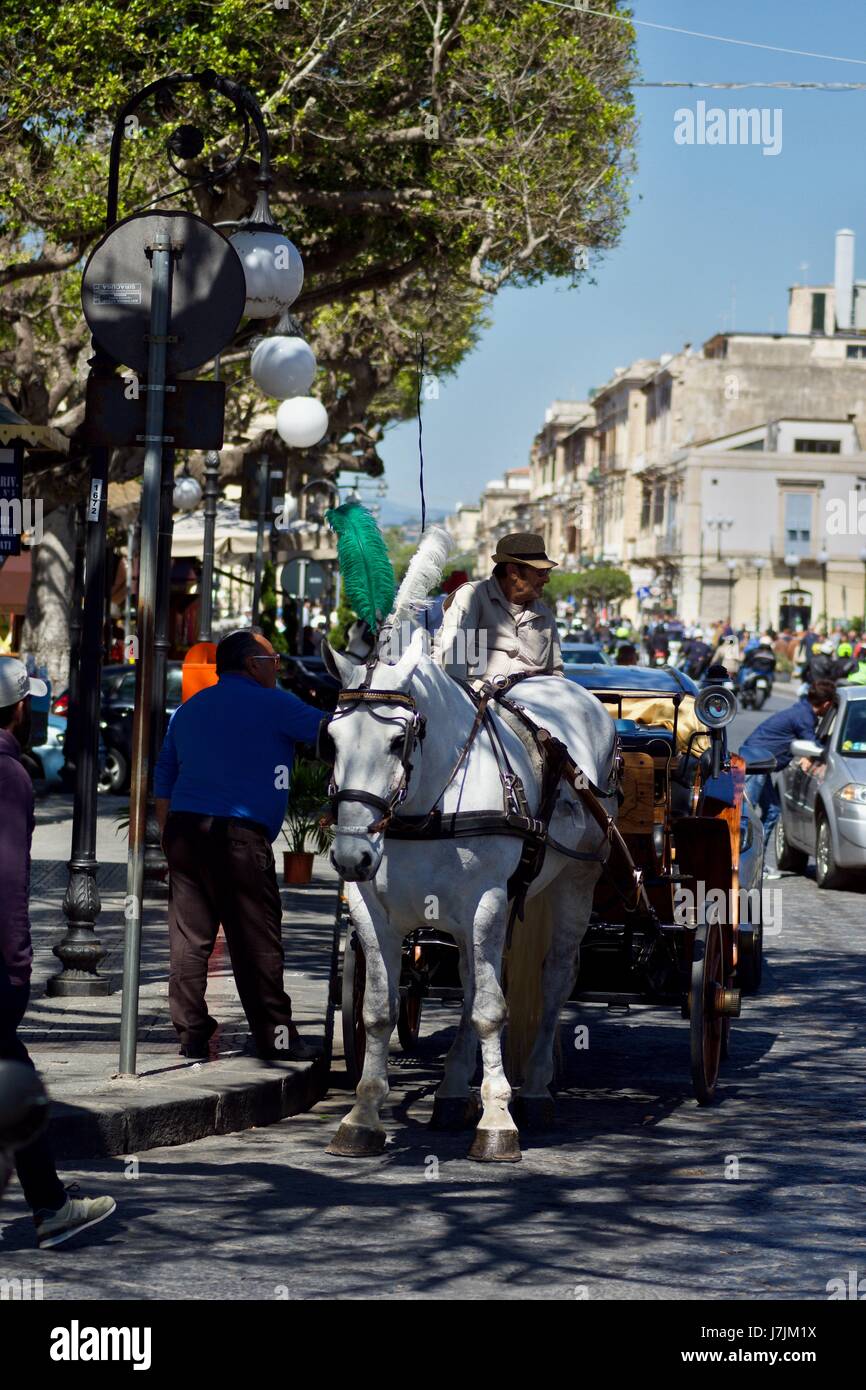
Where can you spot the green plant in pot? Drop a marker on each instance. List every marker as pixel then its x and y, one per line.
pixel 307 794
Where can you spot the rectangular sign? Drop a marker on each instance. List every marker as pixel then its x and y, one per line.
pixel 11 488
pixel 117 292
pixel 95 499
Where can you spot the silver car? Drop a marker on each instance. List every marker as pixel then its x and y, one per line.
pixel 823 796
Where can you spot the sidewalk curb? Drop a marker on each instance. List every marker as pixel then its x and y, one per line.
pixel 173 1101
pixel 259 1093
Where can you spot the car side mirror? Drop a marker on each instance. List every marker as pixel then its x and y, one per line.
pixel 760 765
pixel 806 748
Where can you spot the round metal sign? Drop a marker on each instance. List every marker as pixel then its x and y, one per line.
pixel 315 578
pixel 208 290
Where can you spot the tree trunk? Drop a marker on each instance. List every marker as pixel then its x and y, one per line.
pixel 46 623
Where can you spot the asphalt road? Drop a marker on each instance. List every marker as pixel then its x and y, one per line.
pixel 637 1193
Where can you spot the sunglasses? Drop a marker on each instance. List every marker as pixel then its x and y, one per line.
pixel 276 658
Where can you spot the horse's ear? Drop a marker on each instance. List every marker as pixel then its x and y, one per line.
pixel 337 665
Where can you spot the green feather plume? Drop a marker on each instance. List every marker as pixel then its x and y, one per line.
pixel 367 572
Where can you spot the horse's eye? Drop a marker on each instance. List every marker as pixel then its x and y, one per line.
pixel 397 745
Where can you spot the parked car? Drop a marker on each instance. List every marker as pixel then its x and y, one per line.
pixel 118 704
pixel 44 759
pixel 584 654
pixel 823 796
pixel 309 679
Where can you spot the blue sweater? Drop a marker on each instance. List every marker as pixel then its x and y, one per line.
pixel 228 750
pixel 774 736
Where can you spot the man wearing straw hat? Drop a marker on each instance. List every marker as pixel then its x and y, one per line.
pixel 499 626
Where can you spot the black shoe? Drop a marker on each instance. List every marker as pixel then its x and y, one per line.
pixel 300 1051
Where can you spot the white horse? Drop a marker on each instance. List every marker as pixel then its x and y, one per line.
pixel 393 884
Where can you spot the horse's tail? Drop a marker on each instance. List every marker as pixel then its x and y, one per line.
pixel 522 966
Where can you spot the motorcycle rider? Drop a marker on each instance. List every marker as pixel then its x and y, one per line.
pixel 760 661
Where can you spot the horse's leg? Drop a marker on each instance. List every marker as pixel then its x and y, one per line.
pixel 496 1137
pixel 571 902
pixel 453 1108
pixel 362 1133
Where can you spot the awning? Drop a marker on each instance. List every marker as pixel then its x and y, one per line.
pixel 232 537
pixel 14 427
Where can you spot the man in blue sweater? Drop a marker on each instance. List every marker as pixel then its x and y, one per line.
pixel 220 786
pixel 772 739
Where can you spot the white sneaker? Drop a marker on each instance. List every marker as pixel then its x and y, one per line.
pixel 76 1214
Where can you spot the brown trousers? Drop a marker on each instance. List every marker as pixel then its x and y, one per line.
pixel 222 871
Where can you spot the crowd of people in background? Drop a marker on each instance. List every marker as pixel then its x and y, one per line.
pixel 809 655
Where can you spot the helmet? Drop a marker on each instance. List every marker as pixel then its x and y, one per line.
pixel 826 648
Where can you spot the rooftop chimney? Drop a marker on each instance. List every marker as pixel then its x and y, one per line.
pixel 844 279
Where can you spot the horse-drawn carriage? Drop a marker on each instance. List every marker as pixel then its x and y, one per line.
pixel 676 914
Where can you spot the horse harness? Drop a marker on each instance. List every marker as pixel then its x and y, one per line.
pixel 515 817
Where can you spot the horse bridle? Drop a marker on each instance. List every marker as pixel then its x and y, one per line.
pixel 413 736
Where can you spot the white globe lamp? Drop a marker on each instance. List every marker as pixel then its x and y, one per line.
pixel 302 422
pixel 283 366
pixel 273 269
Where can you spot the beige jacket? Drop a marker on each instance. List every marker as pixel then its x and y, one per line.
pixel 483 635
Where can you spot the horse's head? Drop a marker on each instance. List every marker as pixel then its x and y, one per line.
pixel 376 731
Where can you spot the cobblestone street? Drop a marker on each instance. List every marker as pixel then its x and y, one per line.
pixel 638 1193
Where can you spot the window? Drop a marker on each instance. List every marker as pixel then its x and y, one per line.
pixel 819 304
pixel 817 446
pixel 645 506
pixel 659 505
pixel 854 351
pixel 852 741
pixel 798 522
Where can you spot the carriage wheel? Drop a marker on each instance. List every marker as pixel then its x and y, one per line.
pixel 354 981
pixel 707 1024
pixel 409 1018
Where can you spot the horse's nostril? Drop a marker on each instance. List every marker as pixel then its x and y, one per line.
pixel 366 859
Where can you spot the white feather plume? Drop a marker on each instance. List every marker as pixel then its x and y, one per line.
pixel 425 571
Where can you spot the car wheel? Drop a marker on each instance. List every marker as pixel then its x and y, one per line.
pixel 787 857
pixel 115 774
pixel 827 874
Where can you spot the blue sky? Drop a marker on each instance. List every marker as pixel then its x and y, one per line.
pixel 713 231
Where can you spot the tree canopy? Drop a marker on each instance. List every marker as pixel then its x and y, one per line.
pixel 426 152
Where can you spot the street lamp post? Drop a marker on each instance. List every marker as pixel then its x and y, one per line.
pixel 792 561
pixel 823 557
pixel 211 496
pixel 719 524
pixel 760 565
pixel 731 566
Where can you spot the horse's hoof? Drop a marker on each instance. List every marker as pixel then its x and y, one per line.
pixel 533 1113
pixel 356 1141
pixel 495 1146
pixel 454 1113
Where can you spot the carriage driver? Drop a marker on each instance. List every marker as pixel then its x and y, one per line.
pixel 499 626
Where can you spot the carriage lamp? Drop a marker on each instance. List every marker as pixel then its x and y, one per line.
pixel 716 707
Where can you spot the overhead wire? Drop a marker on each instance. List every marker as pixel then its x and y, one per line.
pixel 696 34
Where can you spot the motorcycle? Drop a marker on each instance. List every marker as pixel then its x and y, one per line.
pixel 755 687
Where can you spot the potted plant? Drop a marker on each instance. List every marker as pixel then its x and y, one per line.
pixel 307 794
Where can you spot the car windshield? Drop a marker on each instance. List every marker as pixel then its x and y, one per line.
pixel 852 739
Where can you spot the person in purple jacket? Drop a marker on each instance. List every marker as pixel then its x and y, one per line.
pixel 57 1211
